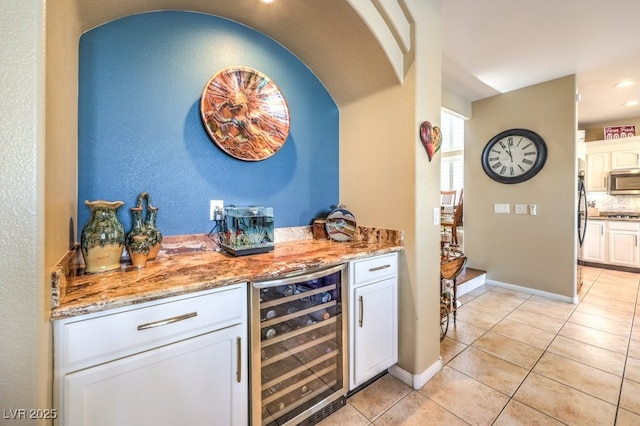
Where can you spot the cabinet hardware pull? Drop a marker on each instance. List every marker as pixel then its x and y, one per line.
pixel 239 359
pixel 361 311
pixel 379 268
pixel 167 321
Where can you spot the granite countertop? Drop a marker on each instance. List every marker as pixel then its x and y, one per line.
pixel 190 263
pixel 617 216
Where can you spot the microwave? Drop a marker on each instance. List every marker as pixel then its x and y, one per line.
pixel 624 182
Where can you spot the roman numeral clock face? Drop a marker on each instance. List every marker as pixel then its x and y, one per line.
pixel 514 156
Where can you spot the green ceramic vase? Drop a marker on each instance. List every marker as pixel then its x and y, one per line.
pixel 103 238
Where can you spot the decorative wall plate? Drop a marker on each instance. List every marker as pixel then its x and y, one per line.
pixel 341 224
pixel 245 113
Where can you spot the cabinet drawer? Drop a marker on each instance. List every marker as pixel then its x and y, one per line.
pixel 619 225
pixel 375 268
pixel 88 342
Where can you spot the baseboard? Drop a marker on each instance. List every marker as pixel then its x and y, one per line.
pixel 416 381
pixel 528 290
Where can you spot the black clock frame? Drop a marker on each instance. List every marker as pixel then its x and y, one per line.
pixel 537 165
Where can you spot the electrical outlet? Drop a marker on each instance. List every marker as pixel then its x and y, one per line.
pixel 215 205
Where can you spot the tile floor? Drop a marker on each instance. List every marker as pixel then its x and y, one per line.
pixel 520 359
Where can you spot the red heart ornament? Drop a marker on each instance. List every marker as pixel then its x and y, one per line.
pixel 426 136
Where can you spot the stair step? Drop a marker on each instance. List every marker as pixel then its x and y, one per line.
pixel 470 279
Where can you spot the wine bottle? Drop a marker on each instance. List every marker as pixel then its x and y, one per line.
pixel 286 290
pixel 270 314
pixel 269 333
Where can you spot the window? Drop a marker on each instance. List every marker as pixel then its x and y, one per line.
pixel 452 158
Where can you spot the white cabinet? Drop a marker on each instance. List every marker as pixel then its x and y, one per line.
pixel 598 165
pixel 373 322
pixel 625 159
pixel 623 243
pixel 178 361
pixel 593 248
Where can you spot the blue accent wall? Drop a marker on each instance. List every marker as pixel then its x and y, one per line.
pixel 140 82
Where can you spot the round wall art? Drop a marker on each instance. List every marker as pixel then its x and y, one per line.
pixel 245 113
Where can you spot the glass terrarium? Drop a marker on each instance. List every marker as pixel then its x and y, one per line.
pixel 247 230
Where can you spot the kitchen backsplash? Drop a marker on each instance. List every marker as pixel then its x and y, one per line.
pixel 615 203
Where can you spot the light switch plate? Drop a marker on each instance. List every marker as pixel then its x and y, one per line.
pixel 521 208
pixel 501 208
pixel 533 209
pixel 436 215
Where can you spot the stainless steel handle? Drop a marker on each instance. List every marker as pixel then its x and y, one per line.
pixel 239 359
pixel 292 279
pixel 167 321
pixel 361 311
pixel 379 268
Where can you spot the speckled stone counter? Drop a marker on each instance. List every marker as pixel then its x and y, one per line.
pixel 190 263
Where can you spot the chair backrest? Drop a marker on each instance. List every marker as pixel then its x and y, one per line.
pixel 448 198
pixel 457 217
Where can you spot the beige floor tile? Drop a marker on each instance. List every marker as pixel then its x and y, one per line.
pixel 379 396
pixel 490 305
pixel 519 294
pixel 464 332
pixel 346 416
pixel 588 379
pixel 480 290
pixel 595 337
pixel 449 348
pixel 415 409
pixel 632 369
pixel 603 311
pixel 557 312
pixel 564 403
pixel 524 333
pixel 495 372
pixel 516 413
pixel 593 356
pixel 478 318
pixel 625 294
pixel 627 418
pixel 508 349
pixel 634 348
pixel 536 320
pixel 465 397
pixel 618 305
pixel 601 323
pixel 630 396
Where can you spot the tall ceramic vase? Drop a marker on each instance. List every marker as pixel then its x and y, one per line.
pixel 103 237
pixel 137 240
pixel 153 233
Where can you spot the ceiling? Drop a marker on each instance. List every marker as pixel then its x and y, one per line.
pixel 495 46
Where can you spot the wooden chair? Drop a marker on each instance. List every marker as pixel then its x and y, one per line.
pixel 448 198
pixel 453 221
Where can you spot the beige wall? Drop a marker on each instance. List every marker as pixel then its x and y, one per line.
pixel 538 252
pixel 25 372
pixel 595 132
pixel 387 180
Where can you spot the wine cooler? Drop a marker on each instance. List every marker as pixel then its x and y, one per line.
pixel 299 347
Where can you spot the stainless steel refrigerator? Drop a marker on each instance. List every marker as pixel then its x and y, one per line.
pixel 582 223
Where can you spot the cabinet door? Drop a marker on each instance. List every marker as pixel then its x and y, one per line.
pixel 375 330
pixel 597 171
pixel 593 248
pixel 624 159
pixel 623 248
pixel 197 381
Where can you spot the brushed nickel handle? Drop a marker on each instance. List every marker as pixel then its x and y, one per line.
pixel 239 359
pixel 379 268
pixel 167 321
pixel 361 311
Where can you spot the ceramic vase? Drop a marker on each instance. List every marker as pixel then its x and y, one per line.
pixel 153 233
pixel 137 240
pixel 103 237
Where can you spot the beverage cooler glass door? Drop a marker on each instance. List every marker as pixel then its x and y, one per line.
pixel 298 346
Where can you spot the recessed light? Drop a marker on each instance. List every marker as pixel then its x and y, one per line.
pixel 625 83
pixel 630 103
pixel 267 1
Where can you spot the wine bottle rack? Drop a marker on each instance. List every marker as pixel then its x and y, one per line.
pixel 301 346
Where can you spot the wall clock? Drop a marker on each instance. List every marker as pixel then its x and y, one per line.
pixel 514 156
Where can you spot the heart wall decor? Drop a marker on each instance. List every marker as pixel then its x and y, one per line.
pixel 431 138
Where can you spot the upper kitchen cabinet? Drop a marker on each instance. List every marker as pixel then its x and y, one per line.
pixel 607 155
